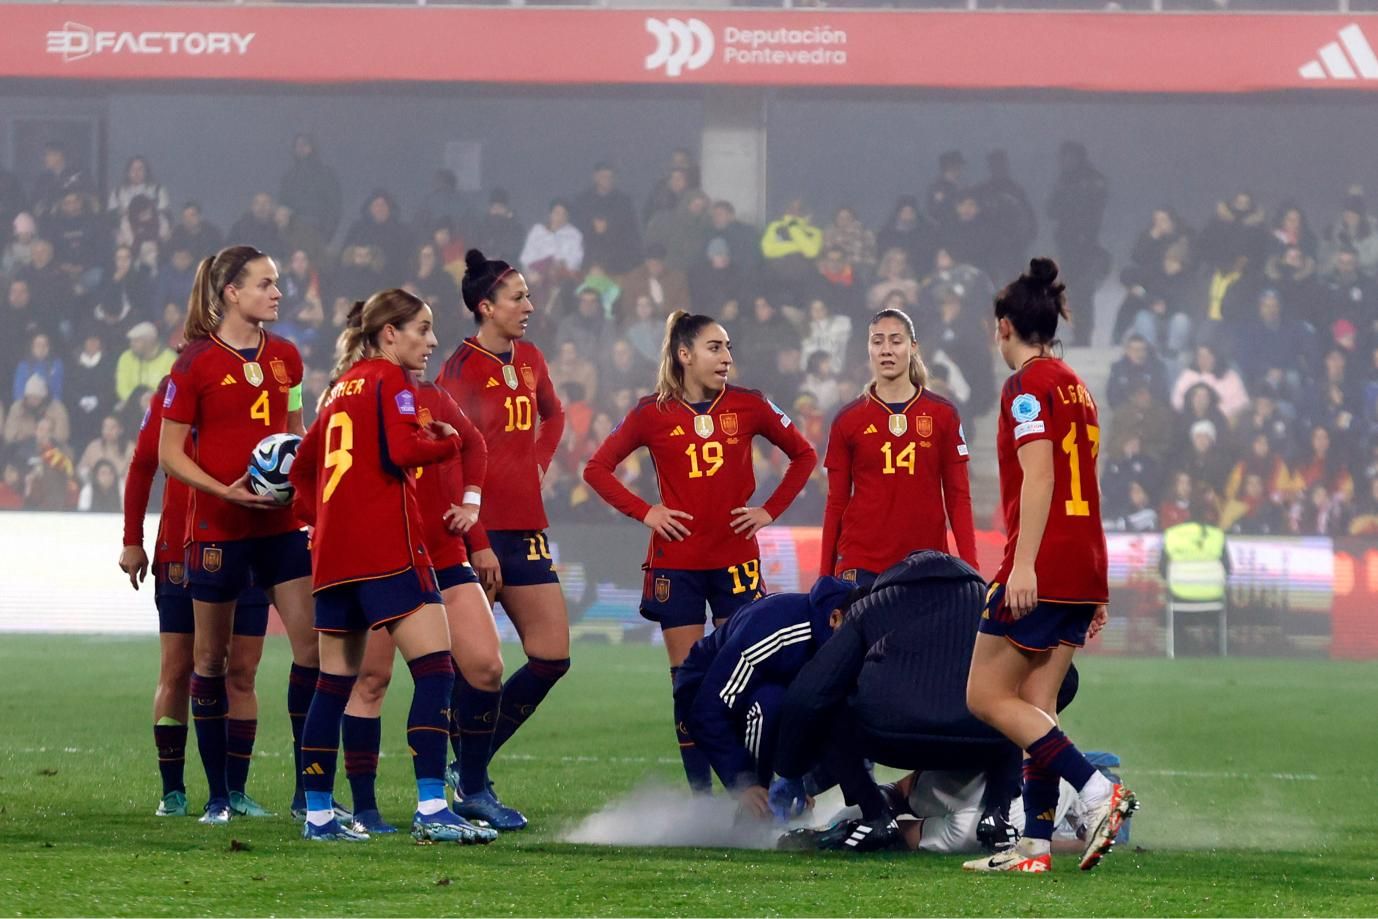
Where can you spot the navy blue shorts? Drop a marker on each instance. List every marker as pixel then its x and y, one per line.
pixel 360 605
pixel 674 597
pixel 1045 627
pixel 861 577
pixel 453 576
pixel 524 557
pixel 172 596
pixel 221 571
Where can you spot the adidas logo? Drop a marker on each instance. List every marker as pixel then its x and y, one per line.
pixel 677 432
pixel 1335 64
pixel 870 429
pixel 228 381
pixel 491 383
pixel 313 769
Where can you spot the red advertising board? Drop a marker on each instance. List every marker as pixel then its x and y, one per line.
pixel 1097 52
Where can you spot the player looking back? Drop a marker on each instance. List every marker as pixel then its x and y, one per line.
pixel 891 455
pixel 354 482
pixel 703 550
pixel 501 382
pixel 1050 592
pixel 235 384
pixel 177 626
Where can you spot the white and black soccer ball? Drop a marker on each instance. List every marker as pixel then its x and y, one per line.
pixel 270 464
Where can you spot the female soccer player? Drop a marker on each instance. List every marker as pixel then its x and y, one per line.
pixel 176 625
pixel 449 496
pixel 354 482
pixel 502 383
pixel 235 384
pixel 703 551
pixel 1050 592
pixel 891 454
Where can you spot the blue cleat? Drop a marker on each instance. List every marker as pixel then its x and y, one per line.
pixel 342 813
pixel 485 806
pixel 174 804
pixel 333 831
pixel 444 826
pixel 372 823
pixel 217 813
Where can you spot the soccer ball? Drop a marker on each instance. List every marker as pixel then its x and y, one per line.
pixel 270 464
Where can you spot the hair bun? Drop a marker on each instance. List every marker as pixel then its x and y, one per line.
pixel 474 260
pixel 1042 271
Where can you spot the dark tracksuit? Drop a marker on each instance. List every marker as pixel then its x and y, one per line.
pixel 729 689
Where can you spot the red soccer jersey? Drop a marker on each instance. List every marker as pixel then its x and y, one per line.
pixel 354 479
pixel 1046 400
pixel 890 477
pixel 441 486
pixel 234 401
pixel 143 469
pixel 703 466
pixel 512 401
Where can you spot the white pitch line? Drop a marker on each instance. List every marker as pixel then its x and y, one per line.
pixel 1247 776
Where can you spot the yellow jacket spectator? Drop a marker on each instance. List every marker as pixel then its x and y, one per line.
pixel 145 363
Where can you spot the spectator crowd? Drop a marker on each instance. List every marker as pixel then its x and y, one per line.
pixel 1248 375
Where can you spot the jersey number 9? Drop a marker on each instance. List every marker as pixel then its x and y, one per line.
pixel 338 458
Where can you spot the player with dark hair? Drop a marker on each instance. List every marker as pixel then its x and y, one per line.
pixel 896 459
pixel 699 431
pixel 1051 590
pixel 235 384
pixel 503 384
pixel 177 624
pixel 354 483
pixel 449 496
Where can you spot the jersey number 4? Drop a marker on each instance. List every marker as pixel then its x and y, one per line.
pixel 1078 506
pixel 259 410
pixel 338 458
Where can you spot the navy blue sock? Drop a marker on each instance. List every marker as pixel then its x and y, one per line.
pixel 320 738
pixel 523 691
pixel 301 686
pixel 428 722
pixel 209 703
pixel 239 751
pixel 473 718
pixel 361 738
pixel 696 766
pixel 1040 801
pixel 1054 753
pixel 171 740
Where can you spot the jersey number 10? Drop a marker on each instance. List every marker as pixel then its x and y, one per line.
pixel 1078 506
pixel 518 413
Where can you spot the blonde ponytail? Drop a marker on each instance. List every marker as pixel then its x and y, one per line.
pixel 367 318
pixel 670 375
pixel 350 346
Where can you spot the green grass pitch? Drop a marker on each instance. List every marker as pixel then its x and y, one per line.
pixel 1259 780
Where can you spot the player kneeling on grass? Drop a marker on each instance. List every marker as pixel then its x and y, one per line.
pixel 729 688
pixel 354 485
pixel 890 686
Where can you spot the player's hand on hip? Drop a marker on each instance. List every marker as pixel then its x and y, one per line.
pixel 461 517
pixel 238 492
pixel 485 565
pixel 666 522
pixel 1021 593
pixel 1098 620
pixel 442 429
pixel 747 521
pixel 134 562
pixel 754 800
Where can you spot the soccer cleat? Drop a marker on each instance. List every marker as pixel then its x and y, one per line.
pixel 1011 860
pixel 1103 825
pixel 879 835
pixel 174 804
pixel 995 833
pixel 334 831
pixel 342 813
pixel 452 777
pixel 217 813
pixel 371 822
pixel 485 806
pixel 446 826
pixel 245 806
pixel 809 839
